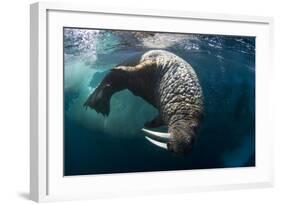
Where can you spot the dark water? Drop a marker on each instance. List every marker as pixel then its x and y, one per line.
pixel 94 144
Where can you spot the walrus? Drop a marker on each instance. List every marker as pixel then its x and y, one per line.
pixel 167 82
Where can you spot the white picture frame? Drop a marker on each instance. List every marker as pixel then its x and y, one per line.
pixel 47 182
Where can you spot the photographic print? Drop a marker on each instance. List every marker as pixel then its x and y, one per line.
pixel 142 101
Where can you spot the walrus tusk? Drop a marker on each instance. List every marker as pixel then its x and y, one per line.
pixel 159 144
pixel 158 136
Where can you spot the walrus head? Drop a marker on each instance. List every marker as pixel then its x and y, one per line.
pixel 179 138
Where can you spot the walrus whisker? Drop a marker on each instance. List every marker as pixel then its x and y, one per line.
pixel 158 136
pixel 159 144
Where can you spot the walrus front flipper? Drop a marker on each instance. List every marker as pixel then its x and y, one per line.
pixel 156 122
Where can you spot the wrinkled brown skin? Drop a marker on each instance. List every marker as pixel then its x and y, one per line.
pixel 169 84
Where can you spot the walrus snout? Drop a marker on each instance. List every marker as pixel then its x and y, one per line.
pixel 181 146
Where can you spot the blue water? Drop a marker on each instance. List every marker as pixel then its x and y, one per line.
pixel 94 144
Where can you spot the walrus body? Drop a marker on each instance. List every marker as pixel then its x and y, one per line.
pixel 168 83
